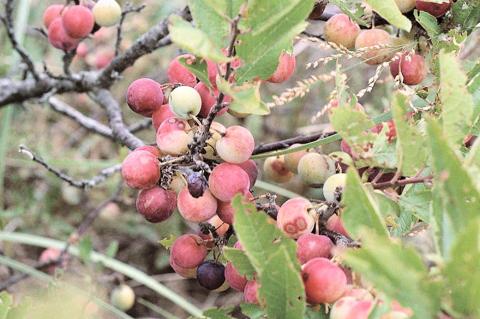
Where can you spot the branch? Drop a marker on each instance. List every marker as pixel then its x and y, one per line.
pixel 120 132
pixel 8 22
pixel 303 139
pixel 84 183
pixel 402 182
pixel 129 8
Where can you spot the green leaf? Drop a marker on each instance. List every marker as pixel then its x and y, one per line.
pixel 112 249
pixel 167 242
pixel 212 17
pixel 194 40
pixel 462 271
pixel 353 8
pixel 252 311
pixel 246 98
pixel 240 261
pixel 457 197
pixel 415 199
pixel 388 9
pixel 457 102
pixel 466 13
pixel 268 28
pixel 6 303
pixel 428 22
pixel 410 144
pixel 273 255
pixel 396 271
pixel 353 126
pixel 199 68
pixel 361 210
pixel 218 313
pixel 85 248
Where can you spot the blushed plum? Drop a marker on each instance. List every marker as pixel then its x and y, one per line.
pixel 209 99
pixel 227 180
pixel 51 13
pixel 341 30
pixel 294 219
pixel 310 246
pixel 412 67
pixel 250 292
pixel 103 58
pixel 221 227
pixel 196 209
pixel 250 167
pixel 156 204
pixel 144 96
pixel 325 282
pixel 334 223
pixel 160 115
pixel 351 308
pixel 58 37
pixel 51 255
pixel 372 38
pixel 141 170
pixel 236 145
pixel 78 21
pixel 173 136
pixel 188 251
pixel 151 149
pixel 285 68
pixel 178 183
pixel 185 102
pixel 178 74
pixel 314 168
pixel 184 272
pixel 435 9
pixel 234 279
pixel 217 130
pixel 275 169
pixel 226 212
pixel 292 159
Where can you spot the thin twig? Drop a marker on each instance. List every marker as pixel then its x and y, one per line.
pixel 129 8
pixel 83 183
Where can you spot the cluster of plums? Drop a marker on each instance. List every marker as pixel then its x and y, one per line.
pixel 377 45
pixel 200 197
pixel 67 25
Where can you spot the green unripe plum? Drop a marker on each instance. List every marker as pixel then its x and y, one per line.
pixel 107 13
pixel 334 186
pixel 185 102
pixel 341 30
pixel 292 159
pixel 405 5
pixel 314 169
pixel 372 38
pixel 123 297
pixel 341 158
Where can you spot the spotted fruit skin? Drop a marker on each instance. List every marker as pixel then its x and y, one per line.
pixel 294 219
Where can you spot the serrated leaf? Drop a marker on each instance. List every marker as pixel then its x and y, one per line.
pixel 273 255
pixel 212 17
pixel 194 40
pixel 246 98
pixel 388 266
pixel 199 68
pixel 462 271
pixel 457 199
pixel 388 10
pixel 240 261
pixel 353 8
pixel 354 127
pixel 361 210
pixel 428 22
pixel 6 303
pixel 410 144
pixel 415 200
pixel 268 28
pixel 457 102
pixel 167 242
